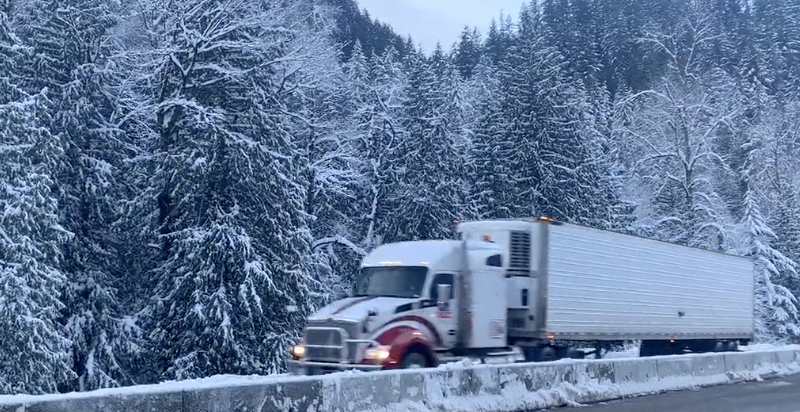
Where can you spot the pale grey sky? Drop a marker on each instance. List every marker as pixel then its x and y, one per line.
pixel 429 21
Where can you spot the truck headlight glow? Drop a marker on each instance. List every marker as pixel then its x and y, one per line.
pixel 377 354
pixel 298 351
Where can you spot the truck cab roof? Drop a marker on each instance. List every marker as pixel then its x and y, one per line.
pixel 421 253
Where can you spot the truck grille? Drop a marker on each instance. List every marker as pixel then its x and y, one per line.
pixel 520 254
pixel 352 328
pixel 327 341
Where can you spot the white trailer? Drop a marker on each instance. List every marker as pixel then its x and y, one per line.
pixel 529 289
pixel 570 284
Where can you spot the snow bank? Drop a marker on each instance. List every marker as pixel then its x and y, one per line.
pixel 632 350
pixel 761 347
pixel 452 388
pixel 217 381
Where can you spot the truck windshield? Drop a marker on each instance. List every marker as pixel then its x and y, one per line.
pixel 391 281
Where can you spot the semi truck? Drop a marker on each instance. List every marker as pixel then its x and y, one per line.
pixel 529 290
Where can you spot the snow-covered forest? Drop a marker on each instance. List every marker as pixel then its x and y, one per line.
pixel 182 182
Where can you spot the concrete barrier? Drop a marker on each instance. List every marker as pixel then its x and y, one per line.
pixel 450 388
pixel 635 370
pixel 353 392
pixel 297 396
pixel 145 402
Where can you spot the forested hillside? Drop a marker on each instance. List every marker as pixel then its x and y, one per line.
pixel 182 183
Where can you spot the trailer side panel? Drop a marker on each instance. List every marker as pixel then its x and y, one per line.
pixel 606 285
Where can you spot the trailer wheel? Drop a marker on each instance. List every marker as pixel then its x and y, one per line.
pixel 414 360
pixel 550 354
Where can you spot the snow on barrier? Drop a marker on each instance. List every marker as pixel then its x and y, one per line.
pixel 455 387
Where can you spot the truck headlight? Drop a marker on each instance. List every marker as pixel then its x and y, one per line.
pixel 298 351
pixel 377 353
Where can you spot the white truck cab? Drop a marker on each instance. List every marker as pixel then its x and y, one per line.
pixel 413 305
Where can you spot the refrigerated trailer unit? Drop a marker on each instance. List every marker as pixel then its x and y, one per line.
pixel 570 284
pixel 529 289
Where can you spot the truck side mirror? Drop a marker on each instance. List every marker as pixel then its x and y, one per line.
pixel 443 292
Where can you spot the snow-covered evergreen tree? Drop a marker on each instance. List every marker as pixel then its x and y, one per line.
pixel 468 52
pixel 343 200
pixel 499 38
pixel 786 221
pixel 554 173
pixel 71 49
pixel 12 58
pixel 492 177
pixel 433 192
pixel 35 355
pixel 772 147
pixel 231 291
pixel 776 307
pixel 105 339
pixel 776 32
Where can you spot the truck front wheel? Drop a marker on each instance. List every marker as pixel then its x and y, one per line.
pixel 414 360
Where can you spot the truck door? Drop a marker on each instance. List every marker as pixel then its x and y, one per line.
pixel 446 318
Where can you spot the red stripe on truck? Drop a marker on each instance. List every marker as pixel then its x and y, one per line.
pixel 399 339
pixel 425 322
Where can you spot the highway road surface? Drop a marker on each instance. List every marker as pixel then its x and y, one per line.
pixel 777 395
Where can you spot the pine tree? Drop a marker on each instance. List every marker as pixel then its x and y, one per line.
pixel 771 149
pixel 330 115
pixel 776 307
pixel 12 58
pixel 231 291
pixel 433 191
pixel 612 211
pixel 371 108
pixel 553 170
pixel 71 47
pixel 776 33
pixel 337 162
pixel 468 51
pixel 787 240
pixel 622 56
pixel 498 40
pixel 35 354
pixel 492 190
pixel 106 342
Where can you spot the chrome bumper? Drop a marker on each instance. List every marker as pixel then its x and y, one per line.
pixel 301 367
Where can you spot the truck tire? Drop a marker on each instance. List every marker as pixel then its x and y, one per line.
pixel 414 360
pixel 550 354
